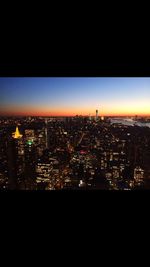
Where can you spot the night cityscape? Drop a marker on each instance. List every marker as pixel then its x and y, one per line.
pixel 74 133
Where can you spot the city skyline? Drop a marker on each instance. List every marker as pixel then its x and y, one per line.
pixel 75 96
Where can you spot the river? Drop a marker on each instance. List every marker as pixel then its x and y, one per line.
pixel 130 122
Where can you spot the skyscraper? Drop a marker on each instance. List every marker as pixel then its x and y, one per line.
pixel 138 175
pixel 96 118
pixel 46 134
pixel 30 165
pixel 15 159
pixel 12 163
pixel 43 174
pixel 29 135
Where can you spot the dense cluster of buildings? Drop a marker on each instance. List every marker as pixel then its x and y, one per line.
pixel 78 152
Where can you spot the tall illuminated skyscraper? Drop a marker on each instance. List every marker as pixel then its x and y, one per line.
pixel 96 118
pixel 46 134
pixel 15 159
pixel 30 165
pixel 12 163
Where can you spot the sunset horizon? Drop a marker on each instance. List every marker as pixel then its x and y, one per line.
pixel 70 115
pixel 74 96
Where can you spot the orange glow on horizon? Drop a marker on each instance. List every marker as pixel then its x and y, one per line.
pixel 139 109
pixel 110 108
pixel 71 114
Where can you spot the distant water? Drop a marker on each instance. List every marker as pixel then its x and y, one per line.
pixel 130 122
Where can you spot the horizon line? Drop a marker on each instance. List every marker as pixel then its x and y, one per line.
pixel 77 115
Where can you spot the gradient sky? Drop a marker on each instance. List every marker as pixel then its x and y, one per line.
pixel 72 96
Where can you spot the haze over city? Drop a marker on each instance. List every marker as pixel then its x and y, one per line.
pixel 75 96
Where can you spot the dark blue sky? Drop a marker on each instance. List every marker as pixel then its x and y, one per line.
pixel 74 96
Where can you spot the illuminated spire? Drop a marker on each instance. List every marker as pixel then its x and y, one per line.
pixel 16 134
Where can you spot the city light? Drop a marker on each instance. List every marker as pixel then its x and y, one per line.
pixel 92 138
pixel 16 134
